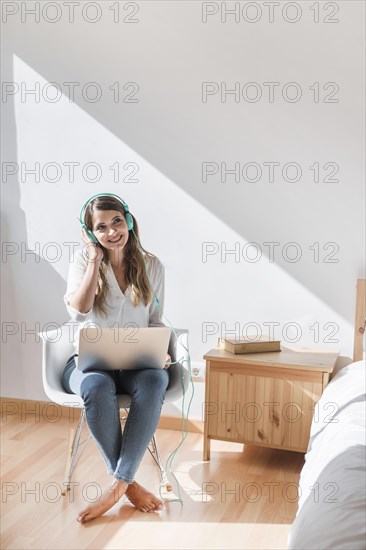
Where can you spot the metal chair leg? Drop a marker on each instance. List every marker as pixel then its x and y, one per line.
pixel 154 452
pixel 73 457
pixel 72 453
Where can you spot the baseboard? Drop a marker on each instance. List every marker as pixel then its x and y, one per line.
pixel 51 412
pixel 175 423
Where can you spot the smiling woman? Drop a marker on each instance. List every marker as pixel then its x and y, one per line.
pixel 109 286
pixel 119 247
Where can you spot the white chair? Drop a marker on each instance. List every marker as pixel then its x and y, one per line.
pixel 58 347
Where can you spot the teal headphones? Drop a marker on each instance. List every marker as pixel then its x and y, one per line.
pixel 128 215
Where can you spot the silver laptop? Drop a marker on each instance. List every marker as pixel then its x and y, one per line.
pixel 123 348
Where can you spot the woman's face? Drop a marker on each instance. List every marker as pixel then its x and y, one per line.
pixel 110 228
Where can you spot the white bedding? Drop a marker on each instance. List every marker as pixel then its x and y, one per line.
pixel 331 511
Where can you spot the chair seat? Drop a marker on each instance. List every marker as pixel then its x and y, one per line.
pixel 57 349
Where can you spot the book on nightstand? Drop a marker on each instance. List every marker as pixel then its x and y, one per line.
pixel 246 345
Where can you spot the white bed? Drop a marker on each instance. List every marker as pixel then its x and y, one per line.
pixel 331 511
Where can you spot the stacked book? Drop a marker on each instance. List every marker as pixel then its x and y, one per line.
pixel 249 345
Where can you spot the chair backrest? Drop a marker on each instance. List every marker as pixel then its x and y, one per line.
pixel 57 348
pixel 178 373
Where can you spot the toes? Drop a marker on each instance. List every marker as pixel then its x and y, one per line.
pixel 84 516
pixel 154 509
pixel 157 504
pixel 81 517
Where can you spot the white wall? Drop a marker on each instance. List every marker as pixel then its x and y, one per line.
pixel 169 133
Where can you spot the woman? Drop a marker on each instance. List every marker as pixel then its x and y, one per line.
pixel 108 285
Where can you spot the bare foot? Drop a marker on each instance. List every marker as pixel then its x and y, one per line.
pixel 142 498
pixel 108 499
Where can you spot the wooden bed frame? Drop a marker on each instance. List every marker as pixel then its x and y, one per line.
pixel 360 320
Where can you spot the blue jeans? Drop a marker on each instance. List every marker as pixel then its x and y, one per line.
pixel 98 388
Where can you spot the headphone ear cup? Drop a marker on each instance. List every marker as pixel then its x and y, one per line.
pixel 129 221
pixel 89 233
pixel 92 236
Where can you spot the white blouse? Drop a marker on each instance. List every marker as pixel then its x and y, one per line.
pixel 120 309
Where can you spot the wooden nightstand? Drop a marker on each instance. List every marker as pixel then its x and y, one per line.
pixel 264 399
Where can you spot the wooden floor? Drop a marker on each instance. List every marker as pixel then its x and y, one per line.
pixel 241 499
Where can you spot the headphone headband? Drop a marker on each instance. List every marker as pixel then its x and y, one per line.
pixel 83 210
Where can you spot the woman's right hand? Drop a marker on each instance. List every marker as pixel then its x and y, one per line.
pixel 94 252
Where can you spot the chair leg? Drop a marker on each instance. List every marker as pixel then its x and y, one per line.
pixel 153 450
pixel 72 458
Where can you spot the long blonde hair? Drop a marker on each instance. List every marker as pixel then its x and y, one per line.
pixel 135 269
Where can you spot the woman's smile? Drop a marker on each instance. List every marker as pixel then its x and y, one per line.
pixel 115 240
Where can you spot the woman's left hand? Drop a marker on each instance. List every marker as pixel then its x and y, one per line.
pixel 167 361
